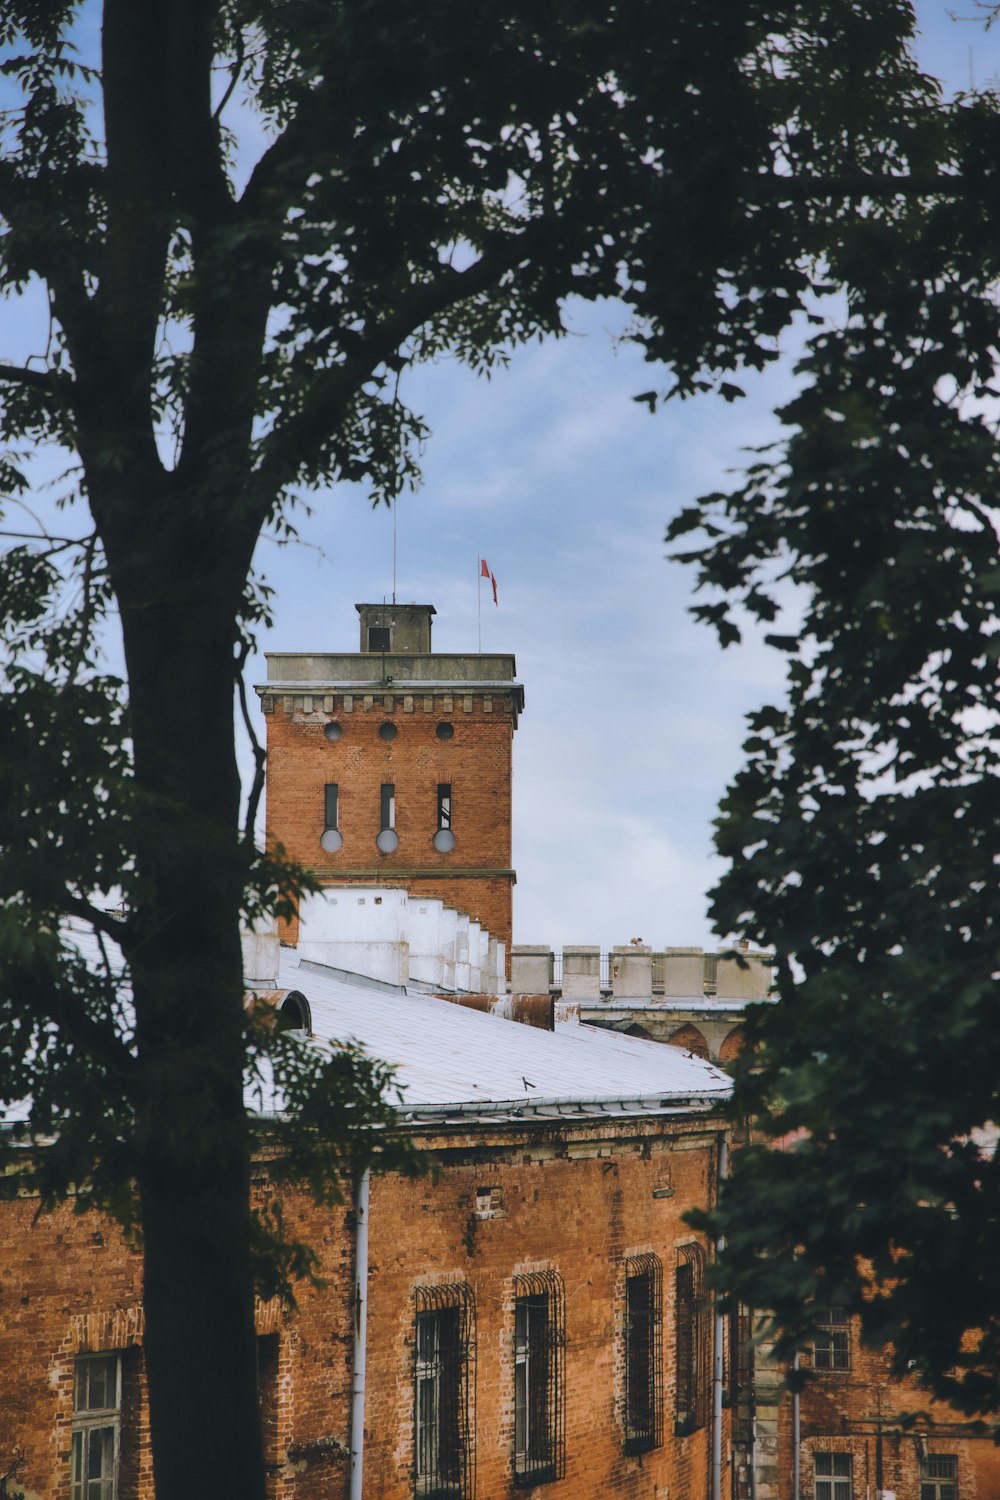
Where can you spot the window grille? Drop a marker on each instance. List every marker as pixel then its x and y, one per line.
pixel 692 1329
pixel 741 1375
pixel 643 1353
pixel 96 1435
pixel 833 1478
pixel 539 1377
pixel 939 1477
pixel 444 1391
pixel 832 1342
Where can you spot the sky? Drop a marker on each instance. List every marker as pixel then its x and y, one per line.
pixel 634 717
pixel 550 471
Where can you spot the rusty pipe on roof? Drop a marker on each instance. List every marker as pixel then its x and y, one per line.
pixel 528 1010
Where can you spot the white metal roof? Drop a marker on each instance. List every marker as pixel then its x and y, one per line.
pixel 451 1060
pixel 444 1054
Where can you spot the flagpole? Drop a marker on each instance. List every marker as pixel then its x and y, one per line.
pixel 479 601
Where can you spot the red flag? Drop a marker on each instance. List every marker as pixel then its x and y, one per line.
pixel 494 583
pixel 484 568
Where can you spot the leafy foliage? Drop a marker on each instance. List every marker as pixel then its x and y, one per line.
pixel 861 833
pixel 248 222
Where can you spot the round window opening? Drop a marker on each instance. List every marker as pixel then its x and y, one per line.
pixel 331 841
pixel 387 841
pixel 387 731
pixel 444 841
pixel 332 732
pixel 445 731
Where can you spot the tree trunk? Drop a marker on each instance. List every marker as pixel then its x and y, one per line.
pixel 193 1141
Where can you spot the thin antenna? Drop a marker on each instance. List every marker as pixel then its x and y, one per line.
pixel 384 678
pixel 395 502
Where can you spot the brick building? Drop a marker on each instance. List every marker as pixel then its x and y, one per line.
pixel 855 1431
pixel 394 763
pixel 535 1316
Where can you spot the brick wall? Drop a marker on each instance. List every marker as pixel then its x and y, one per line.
pixel 476 761
pixel 864 1411
pixel 575 1198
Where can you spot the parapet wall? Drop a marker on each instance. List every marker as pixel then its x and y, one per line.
pixel 636 971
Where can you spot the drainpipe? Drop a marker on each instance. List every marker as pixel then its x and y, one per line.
pixel 360 1336
pixel 796 1438
pixel 719 1349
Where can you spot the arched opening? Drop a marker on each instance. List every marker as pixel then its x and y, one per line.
pixel 691 1039
pixel 732 1045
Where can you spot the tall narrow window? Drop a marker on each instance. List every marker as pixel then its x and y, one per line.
pixel 833 1476
pixel 444 838
pixel 939 1477
pixel 443 1382
pixel 387 839
pixel 832 1342
pixel 643 1353
pixel 741 1375
pixel 692 1339
pixel 539 1343
pixel 331 839
pixel 97 1396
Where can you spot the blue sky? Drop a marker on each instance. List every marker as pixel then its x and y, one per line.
pixel 633 717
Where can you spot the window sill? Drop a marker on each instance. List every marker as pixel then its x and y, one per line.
pixel 644 1444
pixel 526 1479
pixel 687 1426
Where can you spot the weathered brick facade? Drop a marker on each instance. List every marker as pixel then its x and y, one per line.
pixel 476 877
pixel 575 1197
pixel 410 719
pixel 886 1429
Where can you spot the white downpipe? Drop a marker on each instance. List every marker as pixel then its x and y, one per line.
pixel 796 1438
pixel 718 1351
pixel 360 1336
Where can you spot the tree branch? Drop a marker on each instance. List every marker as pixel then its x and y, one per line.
pixel 775 186
pixel 62 1007
pixel 333 388
pixel 46 382
pixel 259 753
pixel 115 928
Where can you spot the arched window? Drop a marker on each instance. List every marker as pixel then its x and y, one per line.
pixel 539 1378
pixel 443 1382
pixel 692 1351
pixel 643 1353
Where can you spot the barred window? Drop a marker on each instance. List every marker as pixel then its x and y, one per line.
pixel 443 1386
pixel 643 1353
pixel 832 1476
pixel 692 1329
pixel 539 1411
pixel 741 1375
pixel 832 1342
pixel 96 1435
pixel 939 1477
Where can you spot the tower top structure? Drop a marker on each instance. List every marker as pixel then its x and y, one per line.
pixel 394 763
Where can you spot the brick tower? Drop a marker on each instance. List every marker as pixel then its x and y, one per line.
pixel 394 763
